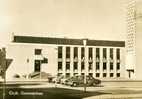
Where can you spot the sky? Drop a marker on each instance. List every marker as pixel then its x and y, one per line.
pixel 93 19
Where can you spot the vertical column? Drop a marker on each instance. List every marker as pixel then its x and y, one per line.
pixel 114 62
pixel 108 61
pixel 71 60
pixel 79 60
pixel 86 60
pixel 101 61
pixel 64 59
pixel 94 61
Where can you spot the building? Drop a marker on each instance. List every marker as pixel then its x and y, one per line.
pixel 133 41
pixel 64 56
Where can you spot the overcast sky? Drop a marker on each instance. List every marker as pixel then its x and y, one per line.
pixel 94 19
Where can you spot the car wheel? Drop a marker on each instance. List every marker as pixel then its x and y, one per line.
pixel 74 84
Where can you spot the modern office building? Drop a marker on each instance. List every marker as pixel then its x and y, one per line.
pixel 134 39
pixel 64 56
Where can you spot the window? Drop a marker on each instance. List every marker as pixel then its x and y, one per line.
pixel 59 52
pixel 59 65
pixel 37 51
pixel 118 74
pixel 75 65
pixel 90 55
pixel 111 66
pixel 104 66
pixel 67 65
pixel 67 74
pixel 82 52
pixel 91 74
pixel 111 74
pixel 75 74
pixel 97 53
pixel 90 65
pixel 104 53
pixel 97 65
pixel 118 66
pixel 75 52
pixel 37 65
pixel 82 74
pixel 82 66
pixel 118 54
pixel 59 74
pixel 97 74
pixel 67 52
pixel 104 74
pixel 111 53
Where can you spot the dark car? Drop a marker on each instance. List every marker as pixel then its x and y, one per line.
pixel 79 81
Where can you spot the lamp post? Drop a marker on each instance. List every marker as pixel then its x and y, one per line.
pixel 84 44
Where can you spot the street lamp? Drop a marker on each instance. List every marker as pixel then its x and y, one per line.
pixel 84 43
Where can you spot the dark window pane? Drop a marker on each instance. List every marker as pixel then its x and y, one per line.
pixel 118 66
pixel 111 53
pixel 75 65
pixel 75 52
pixel 118 74
pixel 90 53
pixel 97 53
pixel 104 74
pixel 67 65
pixel 118 54
pixel 97 65
pixel 37 65
pixel 111 66
pixel 67 52
pixel 82 52
pixel 59 65
pixel 37 51
pixel 104 66
pixel 111 74
pixel 104 53
pixel 82 66
pixel 59 52
pixel 97 74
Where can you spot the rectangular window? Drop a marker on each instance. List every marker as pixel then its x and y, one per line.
pixel 91 74
pixel 59 65
pixel 59 74
pixel 90 55
pixel 111 66
pixel 118 74
pixel 97 65
pixel 75 66
pixel 60 52
pixel 111 53
pixel 111 74
pixel 90 65
pixel 67 52
pixel 37 65
pixel 67 65
pixel 82 52
pixel 82 66
pixel 118 54
pixel 67 74
pixel 75 52
pixel 104 66
pixel 38 51
pixel 104 53
pixel 104 74
pixel 97 53
pixel 97 74
pixel 118 66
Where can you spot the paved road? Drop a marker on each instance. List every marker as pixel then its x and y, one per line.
pixel 113 90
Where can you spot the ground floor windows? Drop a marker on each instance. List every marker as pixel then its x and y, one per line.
pixel 111 74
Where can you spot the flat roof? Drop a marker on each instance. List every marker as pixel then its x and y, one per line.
pixel 66 41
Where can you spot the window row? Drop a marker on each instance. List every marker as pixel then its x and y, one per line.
pixel 90 66
pixel 96 75
pixel 90 52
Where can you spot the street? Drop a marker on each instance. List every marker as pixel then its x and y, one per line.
pixel 44 90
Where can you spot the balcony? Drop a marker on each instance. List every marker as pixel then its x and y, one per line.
pixel 67 59
pixel 75 59
pixel 90 60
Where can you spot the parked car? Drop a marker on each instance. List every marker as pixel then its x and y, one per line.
pixel 79 81
pixel 57 79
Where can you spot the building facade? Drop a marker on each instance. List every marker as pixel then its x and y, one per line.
pixel 63 56
pixel 134 39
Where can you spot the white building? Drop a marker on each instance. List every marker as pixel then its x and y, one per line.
pixel 100 58
pixel 134 39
